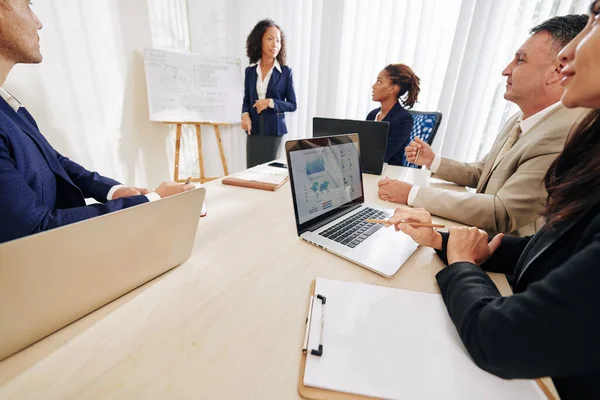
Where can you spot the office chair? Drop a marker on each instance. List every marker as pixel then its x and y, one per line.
pixel 425 126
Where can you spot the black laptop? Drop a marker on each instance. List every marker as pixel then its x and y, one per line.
pixel 372 136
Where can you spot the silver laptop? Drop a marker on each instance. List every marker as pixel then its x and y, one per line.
pixel 53 278
pixel 327 188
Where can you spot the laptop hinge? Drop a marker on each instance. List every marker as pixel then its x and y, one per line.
pixel 333 217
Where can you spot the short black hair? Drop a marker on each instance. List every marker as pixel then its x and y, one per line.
pixel 562 29
pixel 254 42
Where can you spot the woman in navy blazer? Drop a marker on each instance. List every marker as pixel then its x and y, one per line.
pixel 268 93
pixel 394 82
pixel 550 326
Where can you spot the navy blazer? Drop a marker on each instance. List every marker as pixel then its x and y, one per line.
pixel 280 89
pixel 39 188
pixel 550 326
pixel 401 124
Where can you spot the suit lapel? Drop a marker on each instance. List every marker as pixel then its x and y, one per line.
pixel 489 167
pixel 34 134
pixel 275 76
pixel 18 119
pixel 547 245
pixel 253 81
pixel 491 157
pixel 546 117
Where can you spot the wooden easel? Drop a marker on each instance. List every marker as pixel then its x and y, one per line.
pixel 202 178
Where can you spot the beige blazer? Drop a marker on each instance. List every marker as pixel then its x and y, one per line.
pixel 510 196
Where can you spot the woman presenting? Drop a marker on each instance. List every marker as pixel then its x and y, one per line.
pixel 268 93
pixel 394 82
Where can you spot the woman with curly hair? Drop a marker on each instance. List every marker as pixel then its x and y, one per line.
pixel 268 93
pixel 395 83
pixel 550 325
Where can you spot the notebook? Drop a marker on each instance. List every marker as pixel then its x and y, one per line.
pixel 262 177
pixel 394 344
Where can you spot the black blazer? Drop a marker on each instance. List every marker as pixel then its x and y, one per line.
pixel 401 124
pixel 280 89
pixel 551 325
pixel 39 188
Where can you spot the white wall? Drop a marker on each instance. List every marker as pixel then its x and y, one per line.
pixel 89 94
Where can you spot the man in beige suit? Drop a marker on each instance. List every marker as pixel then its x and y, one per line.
pixel 510 192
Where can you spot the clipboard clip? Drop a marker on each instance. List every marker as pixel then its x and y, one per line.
pixel 315 352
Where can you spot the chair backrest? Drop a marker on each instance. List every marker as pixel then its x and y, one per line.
pixel 425 126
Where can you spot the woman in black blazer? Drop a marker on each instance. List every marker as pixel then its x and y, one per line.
pixel 551 325
pixel 268 93
pixel 393 83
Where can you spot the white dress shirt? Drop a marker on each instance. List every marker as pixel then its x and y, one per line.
pixel 15 105
pixel 526 126
pixel 263 84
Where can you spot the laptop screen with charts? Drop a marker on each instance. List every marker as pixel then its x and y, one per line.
pixel 328 195
pixel 55 277
pixel 372 134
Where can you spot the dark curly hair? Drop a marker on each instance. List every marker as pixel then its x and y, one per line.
pixel 254 41
pixel 408 82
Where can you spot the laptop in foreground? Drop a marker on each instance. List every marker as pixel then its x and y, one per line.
pixel 55 277
pixel 328 195
pixel 372 134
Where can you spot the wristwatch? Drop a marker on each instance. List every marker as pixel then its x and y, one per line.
pixel 271 103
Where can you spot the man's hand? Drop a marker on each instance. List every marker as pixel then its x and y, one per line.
pixel 261 105
pixel 128 192
pixel 167 189
pixel 426 154
pixel 471 245
pixel 394 190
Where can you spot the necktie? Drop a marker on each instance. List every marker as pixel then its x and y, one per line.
pixel 510 141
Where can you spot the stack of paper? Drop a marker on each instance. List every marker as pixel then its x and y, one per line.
pixel 396 344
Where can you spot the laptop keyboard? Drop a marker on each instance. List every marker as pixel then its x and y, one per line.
pixel 353 230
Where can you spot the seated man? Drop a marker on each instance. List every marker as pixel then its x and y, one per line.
pixel 39 188
pixel 508 180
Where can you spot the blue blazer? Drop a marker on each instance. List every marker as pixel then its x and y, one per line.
pixel 401 124
pixel 39 188
pixel 280 89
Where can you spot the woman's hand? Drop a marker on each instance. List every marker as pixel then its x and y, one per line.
pixel 247 123
pixel 423 235
pixel 471 245
pixel 261 105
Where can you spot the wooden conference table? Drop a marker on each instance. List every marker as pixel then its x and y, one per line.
pixel 226 324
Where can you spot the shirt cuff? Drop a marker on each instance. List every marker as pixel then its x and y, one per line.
pixel 153 196
pixel 435 164
pixel 412 195
pixel 271 103
pixel 112 191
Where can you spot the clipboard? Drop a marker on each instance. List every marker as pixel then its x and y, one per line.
pixel 313 393
pixel 308 392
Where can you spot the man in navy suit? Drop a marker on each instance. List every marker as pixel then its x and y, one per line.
pixel 39 188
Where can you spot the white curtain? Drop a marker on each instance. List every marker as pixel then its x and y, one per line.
pixel 488 34
pixel 89 94
pixel 337 47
